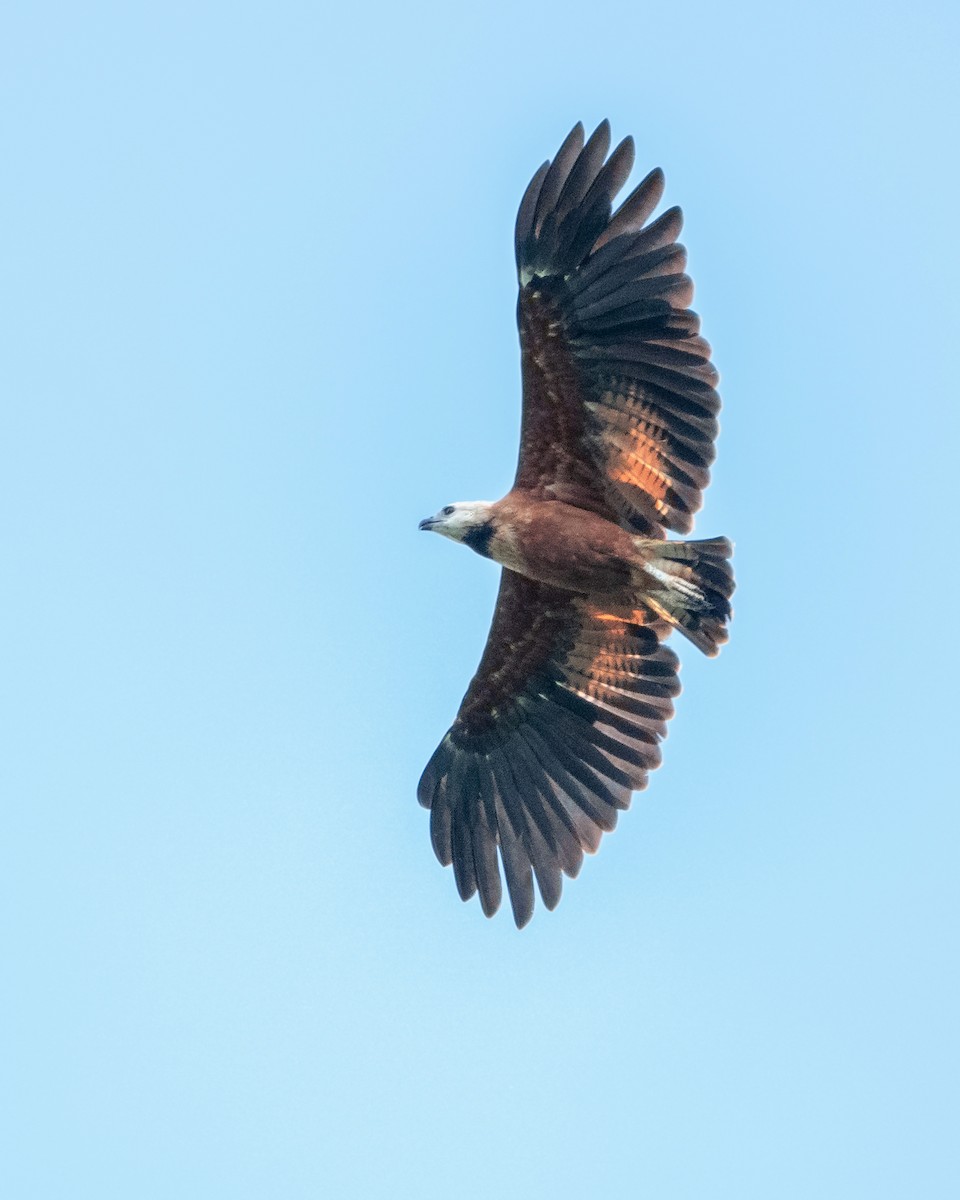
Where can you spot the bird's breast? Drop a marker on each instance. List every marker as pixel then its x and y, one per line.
pixel 563 546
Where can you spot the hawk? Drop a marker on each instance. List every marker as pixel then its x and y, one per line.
pixel 564 718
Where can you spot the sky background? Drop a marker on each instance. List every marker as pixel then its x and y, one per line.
pixel 257 319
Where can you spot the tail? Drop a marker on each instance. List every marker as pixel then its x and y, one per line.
pixel 692 583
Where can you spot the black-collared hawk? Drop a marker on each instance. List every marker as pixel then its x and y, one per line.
pixel 564 717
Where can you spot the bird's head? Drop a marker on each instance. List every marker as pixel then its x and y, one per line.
pixel 468 521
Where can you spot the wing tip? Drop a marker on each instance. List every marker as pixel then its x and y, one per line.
pixel 522 916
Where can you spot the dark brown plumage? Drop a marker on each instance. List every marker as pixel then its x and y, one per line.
pixel 563 719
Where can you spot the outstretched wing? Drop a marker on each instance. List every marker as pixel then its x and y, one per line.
pixel 619 399
pixel 561 722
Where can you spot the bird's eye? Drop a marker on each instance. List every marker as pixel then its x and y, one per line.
pixel 448 511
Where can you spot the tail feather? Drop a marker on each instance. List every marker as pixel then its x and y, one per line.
pixel 692 583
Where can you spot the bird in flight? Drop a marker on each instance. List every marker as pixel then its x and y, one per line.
pixel 564 717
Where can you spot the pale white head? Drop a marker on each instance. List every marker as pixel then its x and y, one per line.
pixel 467 521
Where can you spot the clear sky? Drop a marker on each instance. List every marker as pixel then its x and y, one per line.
pixel 257 319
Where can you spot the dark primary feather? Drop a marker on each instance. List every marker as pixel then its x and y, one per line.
pixel 634 211
pixel 583 172
pixel 528 207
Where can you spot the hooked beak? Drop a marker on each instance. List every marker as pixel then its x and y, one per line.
pixel 427 523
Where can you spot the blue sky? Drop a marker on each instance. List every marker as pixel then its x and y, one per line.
pixel 257 320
